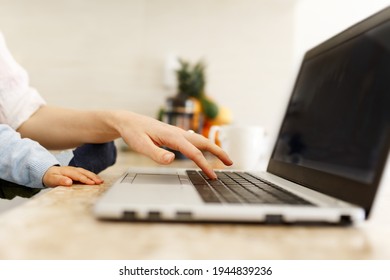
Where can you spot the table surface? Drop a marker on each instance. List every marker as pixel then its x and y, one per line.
pixel 59 224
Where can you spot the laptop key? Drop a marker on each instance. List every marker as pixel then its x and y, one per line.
pixel 239 187
pixel 207 194
pixel 225 192
pixel 246 195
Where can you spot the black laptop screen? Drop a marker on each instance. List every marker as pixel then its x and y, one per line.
pixel 337 121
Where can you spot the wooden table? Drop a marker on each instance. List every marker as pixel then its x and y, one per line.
pixel 59 225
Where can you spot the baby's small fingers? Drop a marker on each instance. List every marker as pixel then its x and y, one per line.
pixel 64 180
pixel 54 180
pixel 91 176
pixel 83 176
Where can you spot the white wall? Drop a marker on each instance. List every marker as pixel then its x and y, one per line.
pixel 110 54
pixel 318 20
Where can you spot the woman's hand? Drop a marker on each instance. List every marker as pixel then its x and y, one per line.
pixel 146 136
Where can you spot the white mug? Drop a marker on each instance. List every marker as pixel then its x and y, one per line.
pixel 245 144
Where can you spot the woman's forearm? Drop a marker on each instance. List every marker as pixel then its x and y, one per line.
pixel 60 128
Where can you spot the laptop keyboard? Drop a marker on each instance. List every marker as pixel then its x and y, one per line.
pixel 240 187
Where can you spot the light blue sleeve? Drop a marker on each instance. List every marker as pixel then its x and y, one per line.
pixel 23 161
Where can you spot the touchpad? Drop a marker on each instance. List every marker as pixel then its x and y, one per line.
pixel 157 179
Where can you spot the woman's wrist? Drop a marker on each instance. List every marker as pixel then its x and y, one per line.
pixel 118 121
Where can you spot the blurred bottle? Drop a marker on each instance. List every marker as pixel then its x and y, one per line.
pixel 179 111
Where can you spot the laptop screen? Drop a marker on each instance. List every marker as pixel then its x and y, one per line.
pixel 335 133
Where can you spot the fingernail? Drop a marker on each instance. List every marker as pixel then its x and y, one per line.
pixel 168 157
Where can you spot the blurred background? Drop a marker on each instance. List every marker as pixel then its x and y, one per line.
pixel 117 53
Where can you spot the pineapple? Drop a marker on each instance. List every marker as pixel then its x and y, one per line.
pixel 191 83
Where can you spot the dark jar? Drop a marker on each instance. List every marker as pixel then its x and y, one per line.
pixel 180 111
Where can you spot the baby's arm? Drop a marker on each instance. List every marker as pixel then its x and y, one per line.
pixel 25 162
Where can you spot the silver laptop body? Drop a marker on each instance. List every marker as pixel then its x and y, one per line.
pixel 331 149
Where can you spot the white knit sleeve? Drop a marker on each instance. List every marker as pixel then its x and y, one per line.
pixel 18 101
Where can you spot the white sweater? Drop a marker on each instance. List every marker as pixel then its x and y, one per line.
pixel 22 161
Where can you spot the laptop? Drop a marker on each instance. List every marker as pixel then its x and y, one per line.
pixel 327 159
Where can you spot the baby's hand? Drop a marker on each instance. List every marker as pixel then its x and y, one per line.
pixel 65 175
